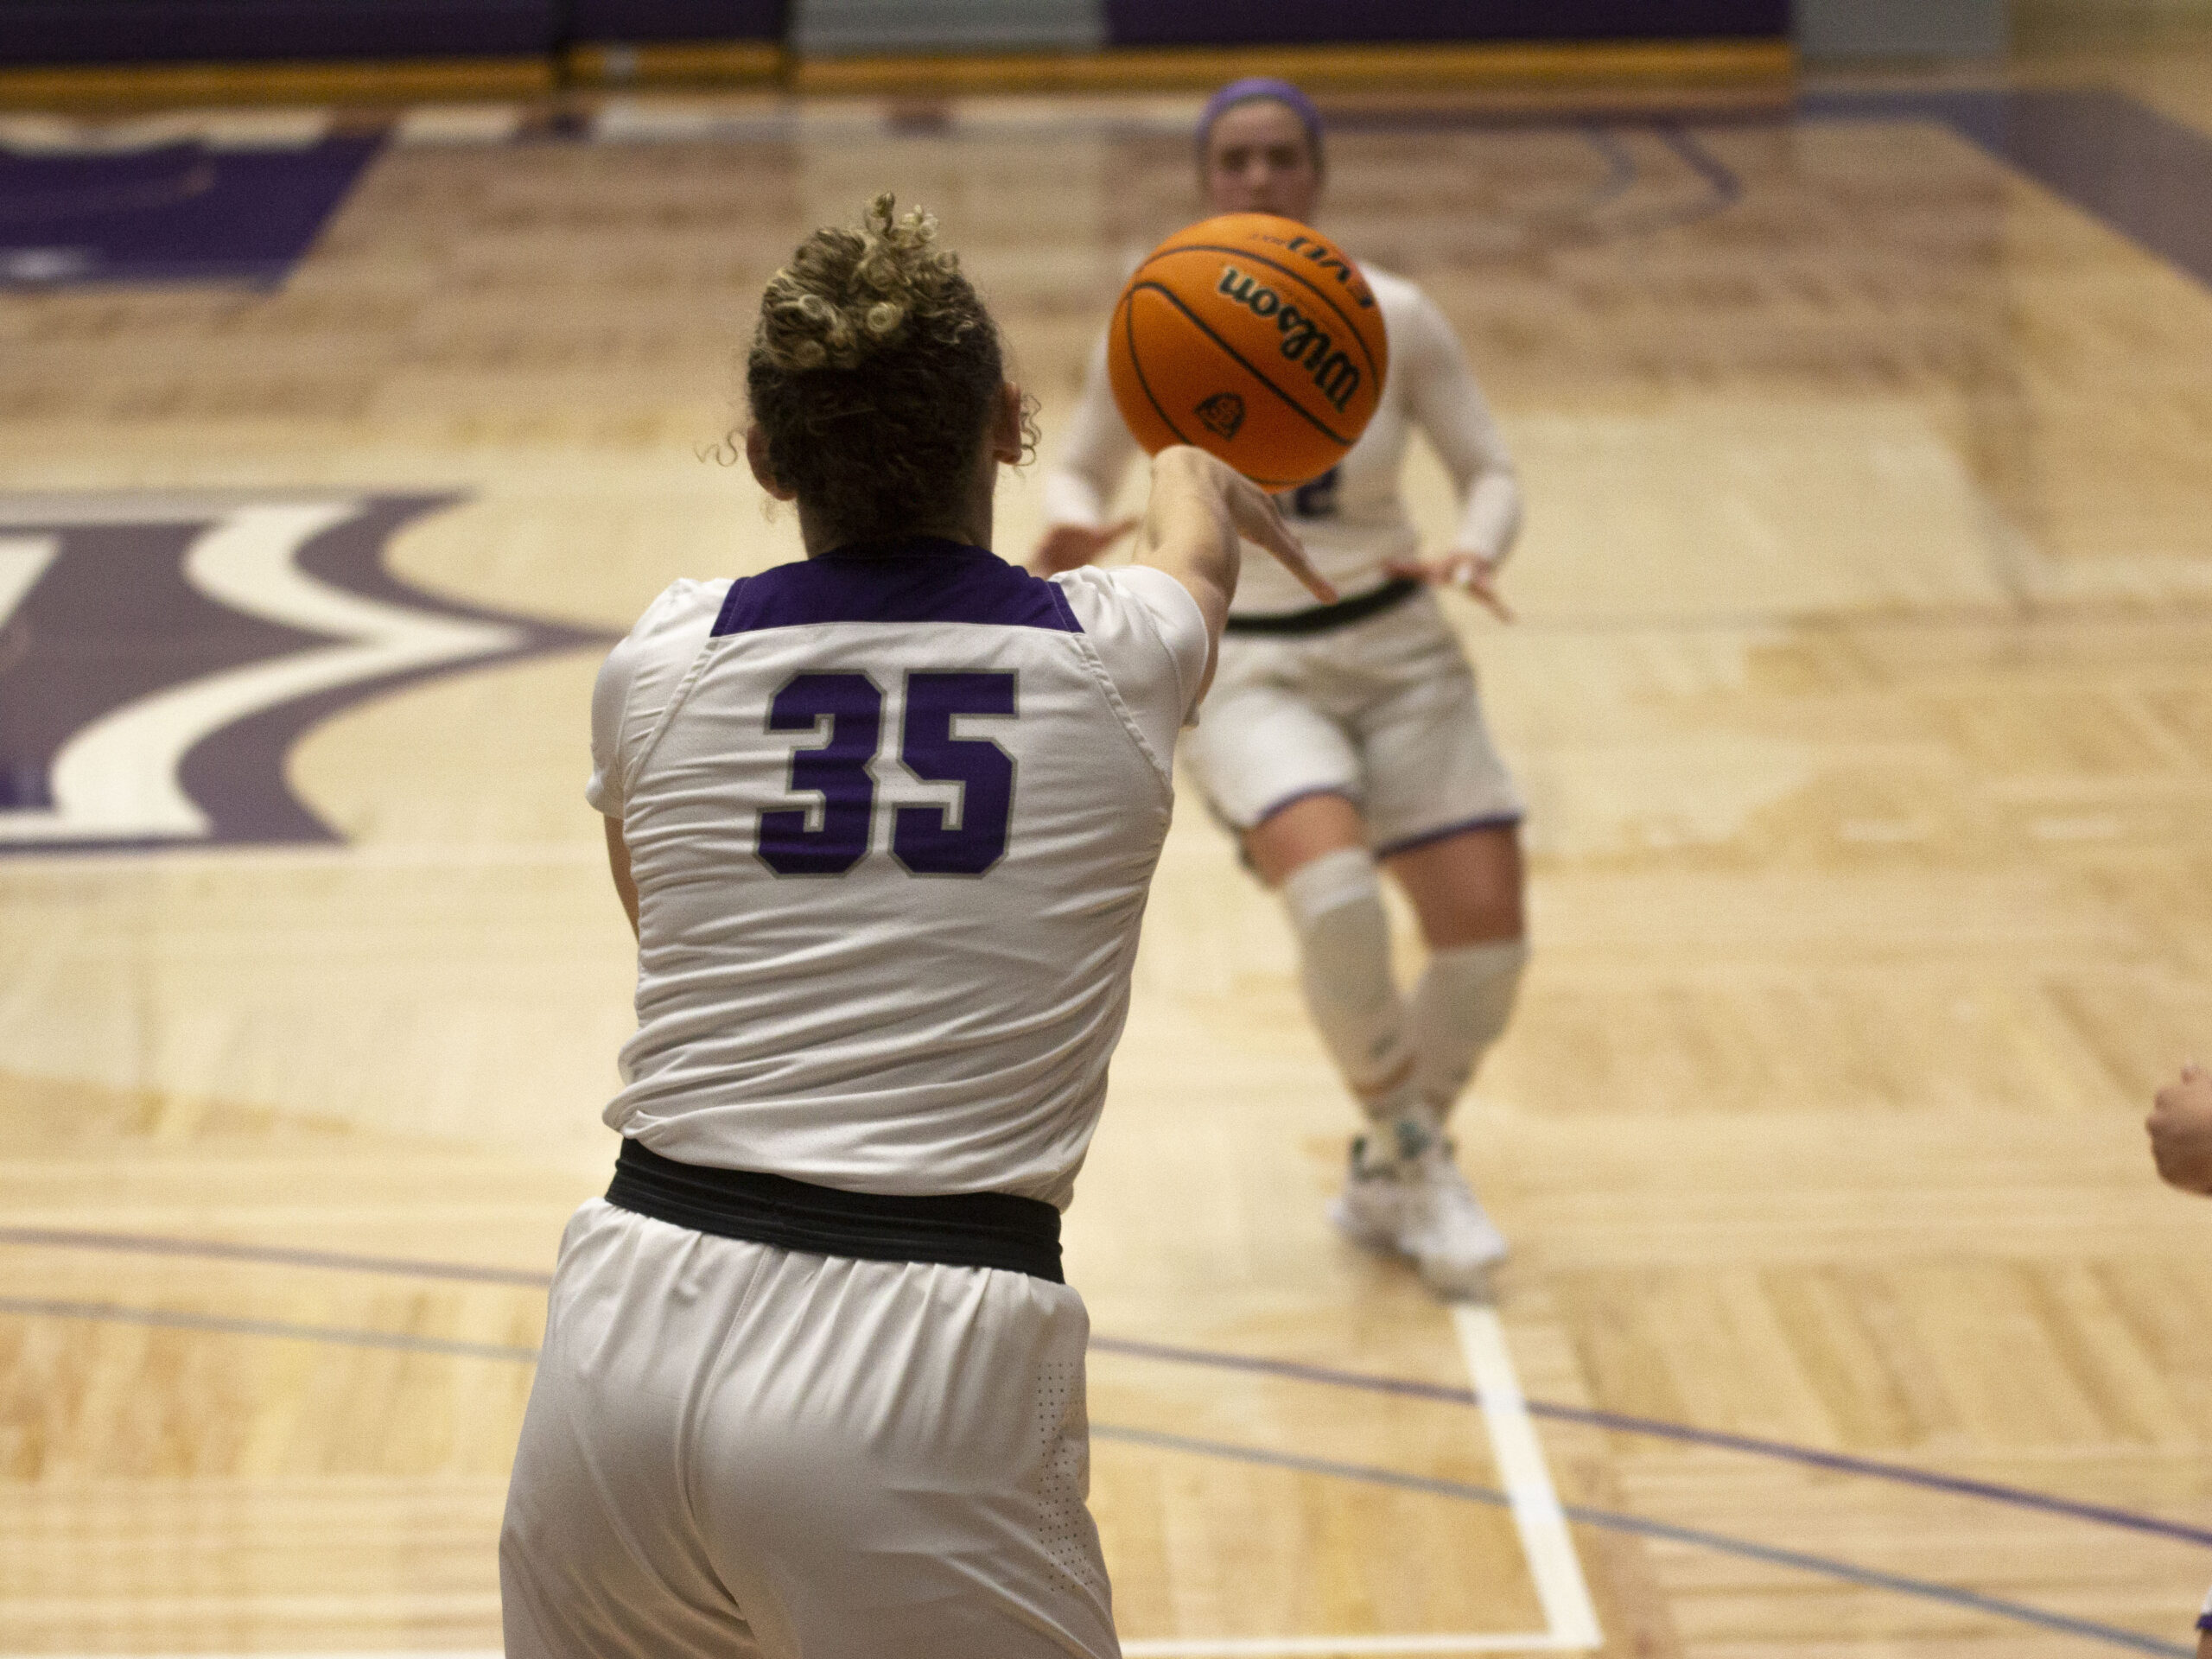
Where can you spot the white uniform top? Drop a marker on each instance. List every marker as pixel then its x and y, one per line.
pixel 893 815
pixel 1352 519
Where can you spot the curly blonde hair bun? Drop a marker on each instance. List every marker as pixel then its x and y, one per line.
pixel 873 373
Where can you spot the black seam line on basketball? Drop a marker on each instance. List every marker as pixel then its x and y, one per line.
pixel 1129 339
pixel 1235 356
pixel 1429 1484
pixel 1615 1521
pixel 1128 332
pixel 1292 1370
pixel 1351 327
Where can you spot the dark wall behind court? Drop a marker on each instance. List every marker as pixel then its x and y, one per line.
pixel 125 31
pixel 170 31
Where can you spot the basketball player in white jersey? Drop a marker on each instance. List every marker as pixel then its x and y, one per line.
pixel 1345 737
pixel 884 819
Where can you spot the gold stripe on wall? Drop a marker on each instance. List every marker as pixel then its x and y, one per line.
pixel 1340 67
pixel 717 63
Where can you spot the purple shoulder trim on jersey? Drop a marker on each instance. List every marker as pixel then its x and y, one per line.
pixel 920 580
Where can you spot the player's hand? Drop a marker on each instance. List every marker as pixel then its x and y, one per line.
pixel 2181 1131
pixel 1259 520
pixel 1467 573
pixel 1069 546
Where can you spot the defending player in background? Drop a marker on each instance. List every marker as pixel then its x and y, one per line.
pixel 884 820
pixel 1347 735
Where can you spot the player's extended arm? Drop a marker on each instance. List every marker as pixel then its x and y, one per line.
pixel 1448 406
pixel 1200 510
pixel 617 857
pixel 1080 486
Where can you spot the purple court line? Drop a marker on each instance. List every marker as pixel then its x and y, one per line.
pixel 63 1238
pixel 223 1325
pixel 1326 1375
pixel 1782 1451
pixel 1613 1520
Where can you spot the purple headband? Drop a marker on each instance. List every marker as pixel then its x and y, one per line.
pixel 1258 86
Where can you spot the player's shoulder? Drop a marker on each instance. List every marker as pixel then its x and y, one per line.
pixel 1135 606
pixel 681 602
pixel 1106 598
pixel 674 624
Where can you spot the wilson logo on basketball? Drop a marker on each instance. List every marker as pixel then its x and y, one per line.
pixel 1221 413
pixel 1304 342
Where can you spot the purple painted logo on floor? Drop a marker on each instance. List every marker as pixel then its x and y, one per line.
pixel 160 655
pixel 175 212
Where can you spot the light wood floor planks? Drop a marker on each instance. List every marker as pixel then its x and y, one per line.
pixel 1861 698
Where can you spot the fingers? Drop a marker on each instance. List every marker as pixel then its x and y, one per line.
pixel 1260 521
pixel 1482 589
pixel 1469 573
pixel 1476 577
pixel 1279 539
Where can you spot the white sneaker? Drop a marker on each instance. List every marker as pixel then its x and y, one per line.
pixel 1417 1204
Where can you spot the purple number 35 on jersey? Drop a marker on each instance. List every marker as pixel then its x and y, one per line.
pixel 924 839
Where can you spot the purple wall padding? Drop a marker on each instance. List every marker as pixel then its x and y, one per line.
pixel 142 31
pixel 1303 22
pixel 640 21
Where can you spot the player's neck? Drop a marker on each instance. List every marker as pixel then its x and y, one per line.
pixel 820 534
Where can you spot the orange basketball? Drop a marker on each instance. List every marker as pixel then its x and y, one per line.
pixel 1255 338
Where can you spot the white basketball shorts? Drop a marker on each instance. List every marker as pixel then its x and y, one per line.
pixel 1383 712
pixel 737 1450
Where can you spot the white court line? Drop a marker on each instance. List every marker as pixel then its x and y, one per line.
pixel 1569 1615
pixel 1570 1618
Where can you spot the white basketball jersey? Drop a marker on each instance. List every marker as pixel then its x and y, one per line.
pixel 893 815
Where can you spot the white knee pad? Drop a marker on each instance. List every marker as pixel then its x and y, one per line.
pixel 1344 940
pixel 1460 1007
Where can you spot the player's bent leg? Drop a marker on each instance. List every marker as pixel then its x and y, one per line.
pixel 1466 888
pixel 1315 852
pixel 1302 830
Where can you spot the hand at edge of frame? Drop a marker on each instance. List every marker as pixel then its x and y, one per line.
pixel 2180 1125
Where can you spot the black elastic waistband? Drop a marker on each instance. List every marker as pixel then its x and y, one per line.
pixel 963 1229
pixel 1322 618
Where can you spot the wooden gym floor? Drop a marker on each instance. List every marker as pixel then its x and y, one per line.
pixel 1861 693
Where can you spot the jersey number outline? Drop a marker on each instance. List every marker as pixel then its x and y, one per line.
pixel 927 840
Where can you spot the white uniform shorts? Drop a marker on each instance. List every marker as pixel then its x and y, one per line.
pixel 733 1450
pixel 1383 712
